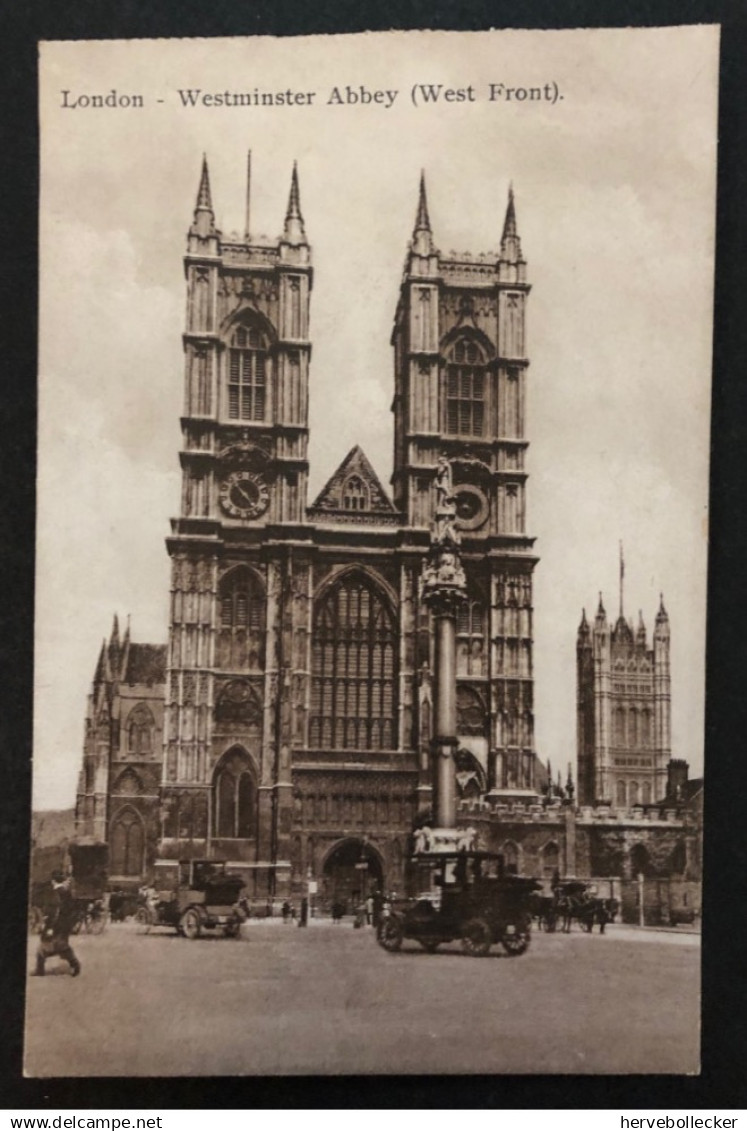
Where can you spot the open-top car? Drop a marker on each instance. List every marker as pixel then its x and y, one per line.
pixel 470 898
pixel 192 896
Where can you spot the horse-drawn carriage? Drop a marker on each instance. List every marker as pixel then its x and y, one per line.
pixel 192 896
pixel 573 899
pixel 470 898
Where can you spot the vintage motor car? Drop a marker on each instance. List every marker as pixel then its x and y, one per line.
pixel 192 896
pixel 470 898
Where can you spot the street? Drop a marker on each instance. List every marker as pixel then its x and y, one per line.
pixel 328 999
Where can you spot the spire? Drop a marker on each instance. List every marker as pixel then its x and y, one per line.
pixel 509 224
pixel 204 202
pixel 247 225
pixel 622 578
pixel 422 220
pixel 510 242
pixel 203 224
pixel 293 231
pixel 115 632
pixel 640 636
pixel 601 612
pixel 662 613
pixel 422 235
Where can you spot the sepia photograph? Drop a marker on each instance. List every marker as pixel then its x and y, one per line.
pixel 372 543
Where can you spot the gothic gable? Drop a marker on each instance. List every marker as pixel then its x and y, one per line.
pixel 353 492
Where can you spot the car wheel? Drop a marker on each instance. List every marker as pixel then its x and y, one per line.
pixel 391 933
pixel 515 939
pixel 190 924
pixel 143 921
pixel 476 938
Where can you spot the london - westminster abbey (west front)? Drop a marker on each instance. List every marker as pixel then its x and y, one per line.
pixel 286 728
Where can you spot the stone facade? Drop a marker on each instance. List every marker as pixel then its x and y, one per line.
pixel 291 712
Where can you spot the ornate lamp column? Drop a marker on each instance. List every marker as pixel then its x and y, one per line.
pixel 444 588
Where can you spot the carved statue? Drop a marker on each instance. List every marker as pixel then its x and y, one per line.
pixel 445 526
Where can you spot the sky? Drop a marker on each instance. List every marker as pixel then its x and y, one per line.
pixel 614 182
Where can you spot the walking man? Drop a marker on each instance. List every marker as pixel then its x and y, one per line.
pixel 58 924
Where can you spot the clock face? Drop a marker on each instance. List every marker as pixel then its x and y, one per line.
pixel 244 494
pixel 471 506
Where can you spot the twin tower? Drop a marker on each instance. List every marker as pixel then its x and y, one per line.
pixel 298 700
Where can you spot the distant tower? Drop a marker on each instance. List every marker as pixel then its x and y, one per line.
pixel 623 710
pixel 460 393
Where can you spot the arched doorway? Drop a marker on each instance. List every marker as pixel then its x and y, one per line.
pixel 351 871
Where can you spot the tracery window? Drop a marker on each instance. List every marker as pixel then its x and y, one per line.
pixel 465 389
pixel 242 620
pixel 618 726
pixel 355 494
pixel 353 703
pixel 127 842
pixel 633 793
pixel 247 374
pixel 645 728
pixel 622 794
pixel 471 650
pixel 140 726
pixel 234 798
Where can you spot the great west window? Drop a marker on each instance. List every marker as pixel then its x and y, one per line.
pixel 354 669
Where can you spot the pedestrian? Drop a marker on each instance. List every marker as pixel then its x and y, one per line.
pixel 58 923
pixel 369 910
pixel 286 911
pixel 304 916
pixel 378 905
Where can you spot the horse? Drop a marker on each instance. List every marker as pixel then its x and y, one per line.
pixel 544 909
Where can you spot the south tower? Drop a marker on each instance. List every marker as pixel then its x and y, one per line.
pixel 461 371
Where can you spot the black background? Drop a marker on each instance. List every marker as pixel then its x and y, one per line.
pixel 722 1081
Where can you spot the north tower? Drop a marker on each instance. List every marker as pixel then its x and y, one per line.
pixel 244 480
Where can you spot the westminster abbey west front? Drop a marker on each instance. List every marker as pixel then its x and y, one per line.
pixel 288 729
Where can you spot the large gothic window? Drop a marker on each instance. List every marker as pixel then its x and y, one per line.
pixel 242 620
pixel 247 374
pixel 140 727
pixel 354 669
pixel 471 650
pixel 234 798
pixel 127 842
pixel 466 389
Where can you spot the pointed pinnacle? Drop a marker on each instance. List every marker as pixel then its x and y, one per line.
pixel 204 201
pixel 509 224
pixel 422 220
pixel 294 200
